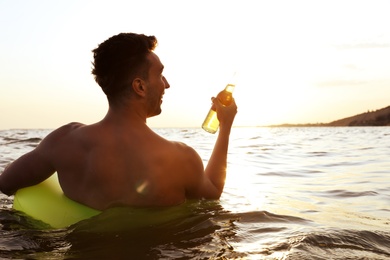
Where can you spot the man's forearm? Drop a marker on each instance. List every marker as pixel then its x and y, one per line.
pixel 25 171
pixel 216 167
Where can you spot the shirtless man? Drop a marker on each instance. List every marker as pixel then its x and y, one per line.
pixel 120 161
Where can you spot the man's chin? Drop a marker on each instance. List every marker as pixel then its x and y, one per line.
pixel 156 113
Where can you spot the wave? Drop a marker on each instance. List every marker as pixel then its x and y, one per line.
pixel 349 194
pixel 209 232
pixel 341 244
pixel 33 140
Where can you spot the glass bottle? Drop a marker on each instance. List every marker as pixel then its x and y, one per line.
pixel 211 123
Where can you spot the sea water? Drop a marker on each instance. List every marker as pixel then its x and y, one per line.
pixel 290 193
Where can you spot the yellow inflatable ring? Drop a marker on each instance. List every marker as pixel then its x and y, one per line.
pixel 47 202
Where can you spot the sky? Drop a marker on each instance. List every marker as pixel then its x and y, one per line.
pixel 297 61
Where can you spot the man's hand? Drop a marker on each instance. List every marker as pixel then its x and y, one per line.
pixel 225 114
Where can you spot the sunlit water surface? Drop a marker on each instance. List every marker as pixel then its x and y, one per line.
pixel 291 193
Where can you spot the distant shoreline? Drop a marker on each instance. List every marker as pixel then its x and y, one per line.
pixel 380 117
pixel 320 125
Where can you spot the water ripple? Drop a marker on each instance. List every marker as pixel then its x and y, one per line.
pixel 349 194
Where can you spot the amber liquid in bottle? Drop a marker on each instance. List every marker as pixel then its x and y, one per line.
pixel 211 123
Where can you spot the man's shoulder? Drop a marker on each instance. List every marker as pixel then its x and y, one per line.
pixel 73 125
pixel 185 152
pixel 68 128
pixel 181 147
pixel 62 132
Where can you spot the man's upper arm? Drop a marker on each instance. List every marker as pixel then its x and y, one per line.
pixel 33 167
pixel 198 184
pixel 30 169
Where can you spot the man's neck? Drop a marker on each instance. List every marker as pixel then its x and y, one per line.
pixel 125 116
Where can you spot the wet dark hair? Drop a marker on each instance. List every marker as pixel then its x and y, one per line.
pixel 120 59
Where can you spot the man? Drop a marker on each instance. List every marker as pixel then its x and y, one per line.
pixel 120 161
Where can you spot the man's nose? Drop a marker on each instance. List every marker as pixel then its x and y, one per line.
pixel 166 83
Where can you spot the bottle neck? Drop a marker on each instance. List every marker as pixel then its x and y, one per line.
pixel 230 87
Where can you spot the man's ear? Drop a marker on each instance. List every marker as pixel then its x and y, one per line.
pixel 139 86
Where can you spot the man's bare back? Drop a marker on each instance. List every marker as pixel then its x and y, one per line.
pixel 102 166
pixel 120 161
